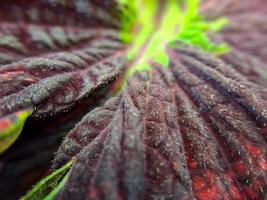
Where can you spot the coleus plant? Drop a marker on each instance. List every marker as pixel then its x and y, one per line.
pixel 186 117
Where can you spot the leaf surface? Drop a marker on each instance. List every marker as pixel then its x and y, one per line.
pixel 196 130
pixel 56 54
pixel 245 34
pixel 187 125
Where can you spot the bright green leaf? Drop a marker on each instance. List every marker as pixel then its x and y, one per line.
pixel 153 27
pixel 48 187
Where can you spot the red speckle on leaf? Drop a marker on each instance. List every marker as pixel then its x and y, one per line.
pixel 4 123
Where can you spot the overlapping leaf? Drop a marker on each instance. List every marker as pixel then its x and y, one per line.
pixel 196 130
pixel 246 35
pixel 55 54
pixel 193 130
pixel 30 157
pixel 232 7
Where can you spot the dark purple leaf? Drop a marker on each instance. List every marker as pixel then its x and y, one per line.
pixel 60 57
pixel 196 130
pixel 245 34
pixel 54 54
pixel 232 7
pixel 249 45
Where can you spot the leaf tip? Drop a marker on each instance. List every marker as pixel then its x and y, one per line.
pixel 11 126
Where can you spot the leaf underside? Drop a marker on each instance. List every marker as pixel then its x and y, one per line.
pixel 196 130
